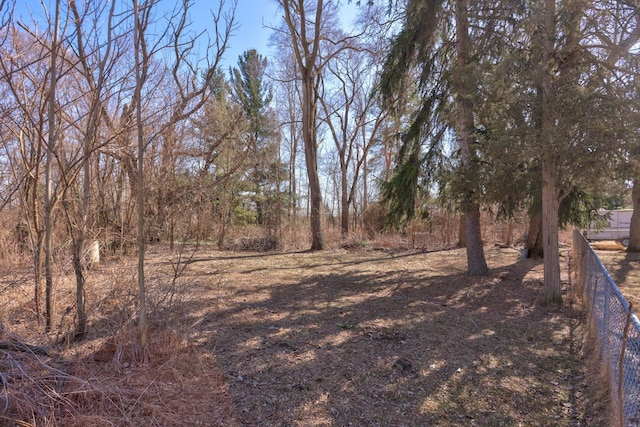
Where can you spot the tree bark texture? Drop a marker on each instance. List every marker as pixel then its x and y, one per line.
pixel 550 208
pixel 344 200
pixel 309 108
pixel 534 238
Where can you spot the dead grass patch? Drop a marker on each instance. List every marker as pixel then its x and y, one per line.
pixel 170 384
pixel 607 245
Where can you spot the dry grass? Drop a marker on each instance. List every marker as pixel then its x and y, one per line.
pixel 598 376
pixel 357 336
pixel 379 338
pixel 169 384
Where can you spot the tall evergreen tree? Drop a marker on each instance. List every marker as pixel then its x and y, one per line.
pixel 418 44
pixel 254 94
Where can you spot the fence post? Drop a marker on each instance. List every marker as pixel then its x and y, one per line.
pixel 570 284
pixel 623 350
pixel 584 274
pixel 606 316
pixel 591 314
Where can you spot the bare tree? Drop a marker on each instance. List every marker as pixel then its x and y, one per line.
pixel 23 75
pixel 311 28
pixel 36 128
pixel 289 98
pixel 94 67
pixel 141 71
pixel 191 92
pixel 48 198
pixel 306 46
pixel 351 114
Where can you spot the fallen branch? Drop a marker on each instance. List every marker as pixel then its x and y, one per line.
pixel 13 345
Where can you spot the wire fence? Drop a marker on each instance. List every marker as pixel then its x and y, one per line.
pixel 615 330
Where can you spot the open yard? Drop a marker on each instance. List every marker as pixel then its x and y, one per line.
pixel 624 268
pixel 335 338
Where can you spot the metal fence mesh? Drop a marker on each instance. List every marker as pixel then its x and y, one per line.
pixel 616 330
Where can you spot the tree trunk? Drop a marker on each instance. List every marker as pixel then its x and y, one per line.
pixel 476 263
pixel 81 326
pixel 140 64
pixel 462 232
pixel 550 200
pixel 550 208
pixel 48 203
pixel 38 257
pixel 534 237
pixel 344 200
pixel 307 51
pixel 278 216
pixel 365 189
pixel 79 243
pixel 311 156
pixel 166 191
pixel 309 108
pixel 634 232
pixel 509 237
pixel 38 250
pixel 293 202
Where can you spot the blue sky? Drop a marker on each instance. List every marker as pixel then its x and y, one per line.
pixel 252 19
pixel 252 16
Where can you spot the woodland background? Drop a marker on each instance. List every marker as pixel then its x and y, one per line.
pixel 119 125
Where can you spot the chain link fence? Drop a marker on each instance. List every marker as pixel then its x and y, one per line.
pixel 615 329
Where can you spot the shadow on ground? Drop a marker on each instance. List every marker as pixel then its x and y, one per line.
pixel 340 338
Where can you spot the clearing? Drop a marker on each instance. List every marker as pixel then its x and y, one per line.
pixel 333 338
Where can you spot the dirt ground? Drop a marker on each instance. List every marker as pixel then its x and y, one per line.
pixel 624 268
pixel 357 337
